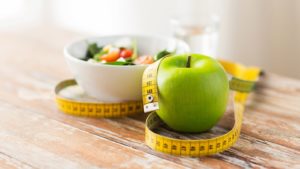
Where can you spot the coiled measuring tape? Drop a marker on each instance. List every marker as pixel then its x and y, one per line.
pixel 84 106
pixel 242 82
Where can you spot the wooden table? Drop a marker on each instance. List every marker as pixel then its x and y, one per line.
pixel 34 134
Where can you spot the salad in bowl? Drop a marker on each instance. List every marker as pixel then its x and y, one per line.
pixel 110 68
pixel 122 52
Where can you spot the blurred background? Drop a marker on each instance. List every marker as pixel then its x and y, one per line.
pixel 255 32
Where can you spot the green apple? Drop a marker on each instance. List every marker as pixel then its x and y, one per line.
pixel 193 92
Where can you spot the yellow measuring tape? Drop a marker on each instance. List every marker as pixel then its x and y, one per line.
pixel 242 83
pixel 84 106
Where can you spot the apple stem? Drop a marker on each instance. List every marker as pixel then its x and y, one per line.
pixel 188 63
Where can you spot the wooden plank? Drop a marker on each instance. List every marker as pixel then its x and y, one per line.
pixel 273 115
pixel 125 131
pixel 129 132
pixel 253 150
pixel 8 162
pixel 46 143
pixel 283 85
pixel 277 130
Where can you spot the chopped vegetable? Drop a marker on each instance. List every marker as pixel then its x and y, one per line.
pixel 91 51
pixel 98 55
pixel 143 60
pixel 161 54
pixel 110 57
pixel 106 48
pixel 116 63
pixel 123 52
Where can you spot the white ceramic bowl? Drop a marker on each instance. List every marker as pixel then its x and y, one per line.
pixel 110 83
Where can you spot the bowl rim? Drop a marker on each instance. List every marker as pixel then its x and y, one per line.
pixel 69 56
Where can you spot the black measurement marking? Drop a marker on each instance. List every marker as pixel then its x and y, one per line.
pixel 123 109
pixel 149 91
pixel 138 107
pixel 165 145
pixel 106 110
pixel 157 143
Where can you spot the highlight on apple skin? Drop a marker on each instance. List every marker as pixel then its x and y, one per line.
pixel 193 92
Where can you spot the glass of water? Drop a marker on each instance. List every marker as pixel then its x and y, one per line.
pixel 201 34
pixel 196 23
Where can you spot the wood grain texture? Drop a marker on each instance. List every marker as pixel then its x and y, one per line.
pixel 34 134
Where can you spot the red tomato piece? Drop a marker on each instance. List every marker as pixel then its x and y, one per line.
pixel 125 53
